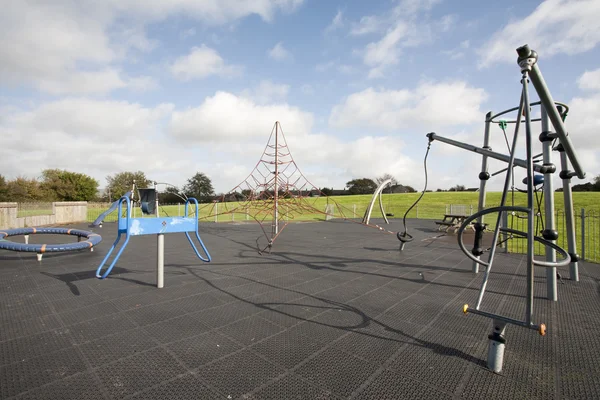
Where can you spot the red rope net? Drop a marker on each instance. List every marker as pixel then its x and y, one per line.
pixel 276 193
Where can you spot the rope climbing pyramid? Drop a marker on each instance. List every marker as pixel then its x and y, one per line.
pixel 276 192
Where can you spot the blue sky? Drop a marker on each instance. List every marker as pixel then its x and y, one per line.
pixel 172 88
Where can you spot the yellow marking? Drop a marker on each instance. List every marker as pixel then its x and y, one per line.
pixel 465 308
pixel 43 249
pixel 542 329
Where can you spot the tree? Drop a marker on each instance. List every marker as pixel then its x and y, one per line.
pixel 171 195
pixel 24 189
pixel 361 186
pixel 3 189
pixel 200 187
pixel 62 185
pixel 327 191
pixel 385 177
pixel 121 183
pixel 458 188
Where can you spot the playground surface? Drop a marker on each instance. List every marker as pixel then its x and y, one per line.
pixel 334 312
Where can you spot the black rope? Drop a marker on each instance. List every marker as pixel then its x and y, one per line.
pixel 405 236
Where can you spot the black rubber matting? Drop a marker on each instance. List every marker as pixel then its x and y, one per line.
pixel 335 311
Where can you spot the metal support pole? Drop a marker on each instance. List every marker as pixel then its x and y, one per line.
pixel 160 270
pixel 565 175
pixel 549 232
pixel 484 175
pixel 504 234
pixel 583 234
pixel 275 227
pixel 26 237
pixel 498 156
pixel 160 255
pixel 530 201
pixel 496 347
pixel 525 53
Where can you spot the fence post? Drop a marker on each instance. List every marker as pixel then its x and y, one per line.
pixel 216 211
pixel 179 209
pixel 583 234
pixel 417 207
pixel 246 213
pixel 504 234
pixel 353 210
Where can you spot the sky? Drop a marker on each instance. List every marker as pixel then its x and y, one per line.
pixel 172 88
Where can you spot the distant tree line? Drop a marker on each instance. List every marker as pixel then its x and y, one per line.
pixel 63 185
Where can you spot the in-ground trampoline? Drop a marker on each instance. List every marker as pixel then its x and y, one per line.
pixel 334 312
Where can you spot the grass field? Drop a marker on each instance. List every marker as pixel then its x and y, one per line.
pixel 432 206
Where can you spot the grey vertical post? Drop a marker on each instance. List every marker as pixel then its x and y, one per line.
pixel 504 234
pixel 530 201
pixel 565 175
pixel 549 225
pixel 583 234
pixel 484 175
pixel 216 211
pixel 160 254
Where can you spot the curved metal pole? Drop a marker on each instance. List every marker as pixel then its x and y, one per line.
pixel 378 191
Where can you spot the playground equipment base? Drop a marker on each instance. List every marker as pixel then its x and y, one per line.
pixel 334 312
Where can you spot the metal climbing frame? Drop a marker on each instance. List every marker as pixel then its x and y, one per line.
pixel 527 61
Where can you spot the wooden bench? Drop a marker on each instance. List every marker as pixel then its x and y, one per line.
pixel 451 221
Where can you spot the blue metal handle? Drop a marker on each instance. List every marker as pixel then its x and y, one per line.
pixel 208 258
pixel 121 229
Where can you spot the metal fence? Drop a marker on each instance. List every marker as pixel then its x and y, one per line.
pixel 587 233
pixel 30 209
pixel 587 222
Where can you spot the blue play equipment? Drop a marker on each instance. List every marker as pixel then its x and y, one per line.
pixel 92 239
pixel 113 207
pixel 538 179
pixel 149 226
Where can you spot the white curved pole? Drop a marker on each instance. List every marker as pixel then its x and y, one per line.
pixel 378 191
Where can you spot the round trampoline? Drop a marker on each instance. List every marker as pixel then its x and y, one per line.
pixel 91 240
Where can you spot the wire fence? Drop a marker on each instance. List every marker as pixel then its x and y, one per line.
pixel 31 209
pixel 587 222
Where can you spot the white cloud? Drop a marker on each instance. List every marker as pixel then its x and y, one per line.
pixel 458 52
pixel 385 52
pixel 428 106
pixel 406 25
pixel 267 92
pixel 367 24
pixel 307 89
pixel 554 27
pixel 590 80
pixel 448 22
pixel 226 117
pixel 93 137
pixel 279 53
pixel 336 23
pixel 200 63
pixel 187 33
pixel 62 37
